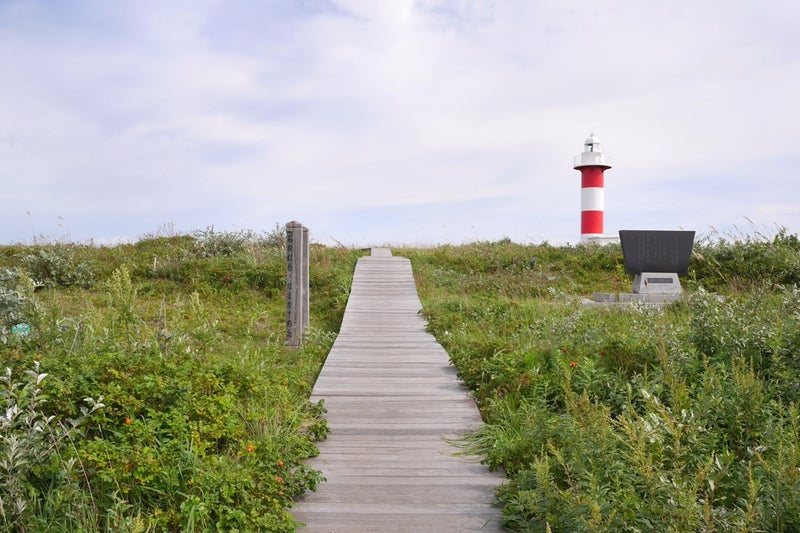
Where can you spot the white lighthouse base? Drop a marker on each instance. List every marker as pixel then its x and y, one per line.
pixel 593 238
pixel 657 283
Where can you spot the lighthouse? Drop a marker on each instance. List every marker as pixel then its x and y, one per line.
pixel 591 163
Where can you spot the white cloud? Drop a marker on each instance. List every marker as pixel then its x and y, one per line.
pixel 126 116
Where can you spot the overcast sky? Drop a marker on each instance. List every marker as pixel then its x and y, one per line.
pixel 395 121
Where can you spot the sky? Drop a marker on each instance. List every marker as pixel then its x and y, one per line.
pixel 395 122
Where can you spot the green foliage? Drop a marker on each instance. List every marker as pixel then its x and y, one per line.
pixel 747 262
pixel 628 419
pixel 520 271
pixel 12 301
pixel 210 243
pixel 17 305
pixel 56 265
pixel 207 418
pixel 37 469
pixel 623 419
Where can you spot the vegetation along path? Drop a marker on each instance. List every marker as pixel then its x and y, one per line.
pixel 393 402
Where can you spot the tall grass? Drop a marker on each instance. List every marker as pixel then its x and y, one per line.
pixel 205 418
pixel 628 419
pixel 621 419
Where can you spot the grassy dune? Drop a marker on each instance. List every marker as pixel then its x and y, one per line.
pixel 629 419
pixel 151 391
pixel 205 417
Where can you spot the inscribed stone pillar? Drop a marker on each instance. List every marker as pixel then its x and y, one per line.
pixel 297 299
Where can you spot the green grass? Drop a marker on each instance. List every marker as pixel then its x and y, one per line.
pixel 154 392
pixel 205 418
pixel 628 419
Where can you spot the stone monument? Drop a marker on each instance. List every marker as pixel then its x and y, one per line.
pixel 656 258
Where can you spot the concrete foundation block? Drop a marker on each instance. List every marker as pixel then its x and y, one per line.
pixel 649 298
pixel 657 283
pixel 605 297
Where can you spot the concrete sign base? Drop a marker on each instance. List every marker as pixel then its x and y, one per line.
pixel 657 283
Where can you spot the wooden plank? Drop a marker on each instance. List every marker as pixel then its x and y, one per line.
pixel 394 404
pixel 372 521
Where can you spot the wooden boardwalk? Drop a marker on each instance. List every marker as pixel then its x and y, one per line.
pixel 392 399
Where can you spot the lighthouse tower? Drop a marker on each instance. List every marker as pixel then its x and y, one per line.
pixel 592 164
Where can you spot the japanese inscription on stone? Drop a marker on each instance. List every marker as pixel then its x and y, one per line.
pixel 290 297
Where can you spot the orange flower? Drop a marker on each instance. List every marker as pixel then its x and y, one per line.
pixel 128 421
pixel 573 364
pixel 279 479
pixel 280 464
pixel 251 448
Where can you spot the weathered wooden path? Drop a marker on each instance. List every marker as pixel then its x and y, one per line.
pixel 393 399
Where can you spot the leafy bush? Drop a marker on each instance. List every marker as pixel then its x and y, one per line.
pixel 11 300
pixel 55 265
pixel 16 303
pixel 210 243
pixel 39 474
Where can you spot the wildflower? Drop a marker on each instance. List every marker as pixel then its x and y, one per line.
pixel 128 421
pixel 563 350
pixel 38 357
pixel 279 479
pixel 251 448
pixel 573 364
pixel 280 464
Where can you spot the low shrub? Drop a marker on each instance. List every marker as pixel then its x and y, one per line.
pixel 55 265
pixel 41 477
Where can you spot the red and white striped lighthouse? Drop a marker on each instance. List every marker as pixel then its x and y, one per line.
pixel 592 165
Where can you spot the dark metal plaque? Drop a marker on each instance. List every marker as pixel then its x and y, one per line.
pixel 656 250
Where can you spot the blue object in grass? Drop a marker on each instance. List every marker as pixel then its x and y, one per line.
pixel 23 329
